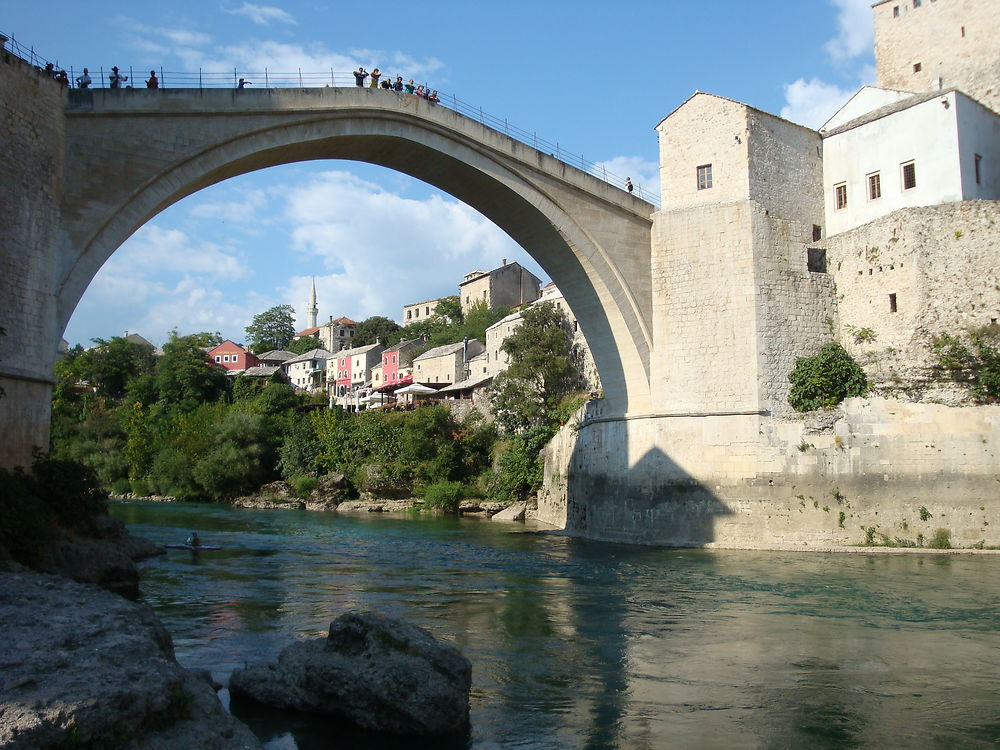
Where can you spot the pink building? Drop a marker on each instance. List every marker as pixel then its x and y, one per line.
pixel 232 357
pixel 397 363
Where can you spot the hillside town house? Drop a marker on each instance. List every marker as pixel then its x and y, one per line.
pixel 350 371
pixel 308 371
pixel 232 357
pixel 446 364
pixel 510 285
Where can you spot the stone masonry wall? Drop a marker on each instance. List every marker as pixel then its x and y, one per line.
pixel 876 470
pixel 940 262
pixel 953 41
pixel 31 162
pixel 796 308
pixel 704 355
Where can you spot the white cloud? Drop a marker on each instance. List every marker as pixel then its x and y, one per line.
pixel 154 249
pixel 855 35
pixel 381 251
pixel 645 174
pixel 263 14
pixel 813 102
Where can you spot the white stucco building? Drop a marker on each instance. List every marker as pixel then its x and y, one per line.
pixel 886 150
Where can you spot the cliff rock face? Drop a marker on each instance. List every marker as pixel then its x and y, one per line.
pixel 83 667
pixel 380 673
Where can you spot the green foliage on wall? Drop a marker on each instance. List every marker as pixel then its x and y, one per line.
pixel 825 379
pixel 973 361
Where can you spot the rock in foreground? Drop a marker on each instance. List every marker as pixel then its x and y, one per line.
pixel 382 674
pixel 83 667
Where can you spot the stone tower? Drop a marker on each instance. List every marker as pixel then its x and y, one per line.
pixel 313 309
pixel 931 45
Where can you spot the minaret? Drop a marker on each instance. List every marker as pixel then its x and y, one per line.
pixel 313 310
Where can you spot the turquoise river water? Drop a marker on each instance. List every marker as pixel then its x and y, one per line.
pixel 578 644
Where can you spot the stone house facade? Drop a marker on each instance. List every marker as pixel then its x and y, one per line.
pixel 510 285
pixel 308 371
pixel 446 364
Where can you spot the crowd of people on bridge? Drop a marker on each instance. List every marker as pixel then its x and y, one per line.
pixel 83 81
pixel 423 91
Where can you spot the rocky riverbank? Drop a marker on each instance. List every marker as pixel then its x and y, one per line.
pixel 83 667
pixel 332 494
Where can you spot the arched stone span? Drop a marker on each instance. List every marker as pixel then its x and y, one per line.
pixel 131 154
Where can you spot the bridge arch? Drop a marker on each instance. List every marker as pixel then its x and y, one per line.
pixel 592 240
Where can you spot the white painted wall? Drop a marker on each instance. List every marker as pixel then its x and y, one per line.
pixel 867 99
pixel 925 133
pixel 979 133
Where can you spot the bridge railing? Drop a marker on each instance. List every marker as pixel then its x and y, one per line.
pixel 310 79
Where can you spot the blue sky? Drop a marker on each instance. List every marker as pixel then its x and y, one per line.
pixel 596 77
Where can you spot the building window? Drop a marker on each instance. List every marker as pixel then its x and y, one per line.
pixel 816 259
pixel 909 175
pixel 916 3
pixel 917 67
pixel 892 303
pixel 427 311
pixel 874 186
pixel 817 232
pixel 840 195
pixel 895 11
pixel 218 358
pixel 409 314
pixel 979 169
pixel 704 176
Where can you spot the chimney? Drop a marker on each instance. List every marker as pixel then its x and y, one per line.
pixel 503 261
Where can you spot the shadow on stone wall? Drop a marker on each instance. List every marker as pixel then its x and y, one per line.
pixel 651 501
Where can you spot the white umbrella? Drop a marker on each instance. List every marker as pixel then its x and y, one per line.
pixel 417 389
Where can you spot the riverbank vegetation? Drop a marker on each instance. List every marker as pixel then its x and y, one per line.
pixel 175 425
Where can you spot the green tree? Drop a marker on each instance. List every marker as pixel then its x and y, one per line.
pixel 450 308
pixel 271 329
pixel 825 379
pixel 111 364
pixel 303 345
pixel 479 318
pixel 184 377
pixel 542 371
pixel 375 328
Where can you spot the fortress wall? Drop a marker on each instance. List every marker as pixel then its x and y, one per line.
pixel 31 162
pixel 953 41
pixel 704 354
pixel 796 308
pixel 902 470
pixel 939 261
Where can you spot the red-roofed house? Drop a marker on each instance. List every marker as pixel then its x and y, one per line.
pixel 232 357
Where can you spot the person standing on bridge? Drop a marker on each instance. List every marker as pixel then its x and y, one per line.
pixel 116 79
pixel 628 184
pixel 359 77
pixel 84 81
pixel 152 82
pixel 376 74
pixel 398 85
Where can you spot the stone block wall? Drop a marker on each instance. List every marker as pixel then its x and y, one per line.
pixel 706 129
pixel 952 41
pixel 786 170
pixel 31 162
pixel 882 471
pixel 704 355
pixel 939 265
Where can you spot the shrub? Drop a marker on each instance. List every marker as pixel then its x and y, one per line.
pixel 304 485
pixel 825 379
pixel 940 540
pixel 444 496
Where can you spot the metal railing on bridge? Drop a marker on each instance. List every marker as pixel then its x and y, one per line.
pixel 331 78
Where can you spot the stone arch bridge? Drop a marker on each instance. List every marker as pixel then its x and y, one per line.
pixel 111 160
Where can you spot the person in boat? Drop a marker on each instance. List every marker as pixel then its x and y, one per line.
pixel 193 540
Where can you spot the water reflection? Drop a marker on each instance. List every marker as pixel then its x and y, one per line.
pixel 584 645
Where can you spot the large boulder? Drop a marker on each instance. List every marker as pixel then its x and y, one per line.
pixel 380 673
pixel 83 667
pixel 330 491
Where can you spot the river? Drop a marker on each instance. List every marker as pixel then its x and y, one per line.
pixel 578 644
